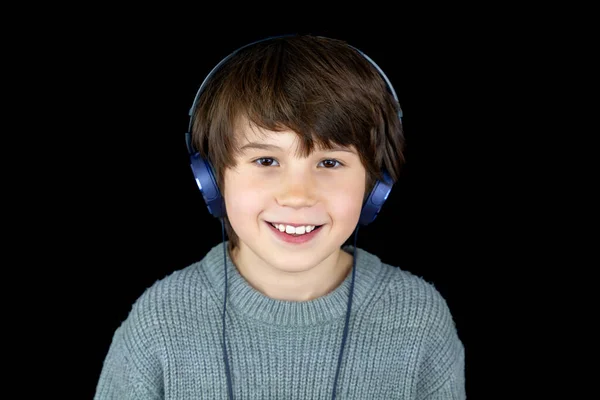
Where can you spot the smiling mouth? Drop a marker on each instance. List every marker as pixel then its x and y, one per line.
pixel 294 225
pixel 316 227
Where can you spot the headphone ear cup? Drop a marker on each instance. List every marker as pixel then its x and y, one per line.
pixel 207 183
pixel 374 202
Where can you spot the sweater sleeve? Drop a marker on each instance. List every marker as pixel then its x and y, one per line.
pixel 443 365
pixel 127 373
pixel 453 382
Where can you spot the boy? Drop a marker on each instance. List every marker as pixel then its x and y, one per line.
pixel 295 140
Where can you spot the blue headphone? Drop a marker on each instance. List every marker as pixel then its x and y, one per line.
pixel 205 176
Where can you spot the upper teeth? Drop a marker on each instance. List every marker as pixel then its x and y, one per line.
pixel 297 230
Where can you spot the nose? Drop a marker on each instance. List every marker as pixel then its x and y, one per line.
pixel 297 190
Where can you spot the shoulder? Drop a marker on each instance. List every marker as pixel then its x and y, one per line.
pixel 417 303
pixel 167 299
pixel 159 305
pixel 177 287
pixel 426 313
pixel 174 284
pixel 400 291
pixel 420 311
pixel 139 344
pixel 414 288
pixel 421 308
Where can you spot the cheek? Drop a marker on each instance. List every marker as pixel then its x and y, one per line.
pixel 345 205
pixel 242 200
pixel 344 198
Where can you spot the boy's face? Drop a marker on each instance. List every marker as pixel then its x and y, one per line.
pixel 276 185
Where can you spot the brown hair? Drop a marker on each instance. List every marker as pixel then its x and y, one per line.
pixel 321 88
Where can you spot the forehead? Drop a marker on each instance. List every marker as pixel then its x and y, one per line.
pixel 250 137
pixel 245 131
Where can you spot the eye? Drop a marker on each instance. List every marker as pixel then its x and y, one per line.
pixel 264 160
pixel 332 163
pixel 268 162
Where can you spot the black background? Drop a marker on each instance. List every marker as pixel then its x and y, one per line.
pixel 124 210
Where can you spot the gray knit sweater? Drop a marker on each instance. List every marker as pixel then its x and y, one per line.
pixel 402 342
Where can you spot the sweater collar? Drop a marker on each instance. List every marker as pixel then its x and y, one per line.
pixel 245 299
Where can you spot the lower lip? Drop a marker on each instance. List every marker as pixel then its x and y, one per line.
pixel 294 239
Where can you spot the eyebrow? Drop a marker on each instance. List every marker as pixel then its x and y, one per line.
pixel 272 147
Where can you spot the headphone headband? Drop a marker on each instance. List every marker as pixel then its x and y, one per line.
pixel 216 67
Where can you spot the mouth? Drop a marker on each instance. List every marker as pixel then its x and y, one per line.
pixel 276 225
pixel 294 225
pixel 293 237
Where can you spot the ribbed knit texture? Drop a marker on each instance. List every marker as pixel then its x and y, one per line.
pixel 402 342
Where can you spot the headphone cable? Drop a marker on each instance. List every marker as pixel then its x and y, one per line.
pixel 346 324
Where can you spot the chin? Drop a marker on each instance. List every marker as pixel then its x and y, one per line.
pixel 292 263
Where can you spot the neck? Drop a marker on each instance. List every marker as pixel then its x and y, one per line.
pixel 296 285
